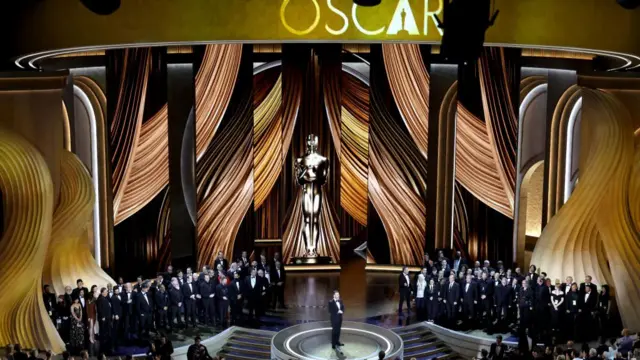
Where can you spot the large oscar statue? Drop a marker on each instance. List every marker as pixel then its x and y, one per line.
pixel 311 172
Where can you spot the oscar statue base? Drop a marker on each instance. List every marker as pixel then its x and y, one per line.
pixel 316 263
pixel 316 260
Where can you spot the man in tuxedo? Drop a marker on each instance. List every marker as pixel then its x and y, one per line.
pixel 404 287
pixel 103 308
pixel 220 260
pixel 167 277
pixel 588 307
pixel 497 349
pixel 252 290
pixel 451 297
pixel 144 307
pixel 336 309
pixel 587 283
pixel 50 302
pixel 222 293
pixel 175 303
pixel 458 261
pixel 116 313
pixel 502 300
pixel 80 286
pixel 207 292
pixel 533 276
pixel 278 279
pixel 236 290
pixel 65 313
pixel 161 301
pixel 128 305
pixel 264 293
pixel 525 304
pixel 469 299
pixel 189 292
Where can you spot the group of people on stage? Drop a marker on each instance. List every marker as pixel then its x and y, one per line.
pixel 452 293
pixel 215 297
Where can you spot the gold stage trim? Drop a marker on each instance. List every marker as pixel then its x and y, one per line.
pixel 391 268
pixel 312 267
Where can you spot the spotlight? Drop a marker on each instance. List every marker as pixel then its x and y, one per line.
pixel 102 7
pixel 464 27
pixel 367 2
pixel 629 4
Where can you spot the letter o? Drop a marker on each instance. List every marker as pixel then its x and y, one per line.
pixel 300 32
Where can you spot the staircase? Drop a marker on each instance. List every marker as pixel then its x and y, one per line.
pixel 420 343
pixel 246 344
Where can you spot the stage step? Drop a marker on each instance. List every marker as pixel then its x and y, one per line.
pixel 260 338
pixel 417 332
pixel 241 341
pixel 420 339
pixel 249 352
pixel 233 356
pixel 431 353
pixel 421 346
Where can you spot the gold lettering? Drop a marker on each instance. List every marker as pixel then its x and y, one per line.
pixel 354 16
pixel 342 15
pixel 300 32
pixel 431 14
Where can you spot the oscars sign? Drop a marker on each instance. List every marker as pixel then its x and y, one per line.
pixel 338 19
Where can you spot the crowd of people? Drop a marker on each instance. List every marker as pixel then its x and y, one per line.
pixel 108 316
pixel 462 296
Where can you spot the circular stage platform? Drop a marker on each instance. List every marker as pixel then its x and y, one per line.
pixel 312 341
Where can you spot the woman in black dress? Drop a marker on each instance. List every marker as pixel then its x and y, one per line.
pixel 557 308
pixel 76 338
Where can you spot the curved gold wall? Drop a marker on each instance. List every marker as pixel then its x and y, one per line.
pixel 28 200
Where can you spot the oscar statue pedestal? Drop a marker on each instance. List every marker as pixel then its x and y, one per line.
pixel 316 260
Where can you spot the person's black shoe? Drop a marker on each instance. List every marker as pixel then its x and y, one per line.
pixel 333 347
pixel 340 344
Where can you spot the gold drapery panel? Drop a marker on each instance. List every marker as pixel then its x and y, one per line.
pixel 594 227
pixel 127 121
pixel 328 240
pixel 149 170
pixel 27 199
pixel 558 149
pixel 634 184
pixel 500 116
pixel 397 184
pixel 69 253
pixel 225 183
pixel 349 96
pixel 476 168
pixel 409 83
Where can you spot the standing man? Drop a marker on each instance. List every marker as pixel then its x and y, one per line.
pixel 336 309
pixel 469 300
pixel 144 308
pixel 175 303
pixel 222 293
pixel 128 320
pixel 525 304
pixel 220 260
pixel 116 313
pixel 252 293
pixel 404 287
pixel 162 307
pixel 451 297
pixel 236 290
pixel 207 293
pixel 103 307
pixel 278 278
pixel 189 293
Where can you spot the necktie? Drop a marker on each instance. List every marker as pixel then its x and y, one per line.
pixel 450 286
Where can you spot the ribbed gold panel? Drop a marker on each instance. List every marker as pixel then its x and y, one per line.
pixel 27 196
pixel 593 233
pixel 69 254
pixel 409 83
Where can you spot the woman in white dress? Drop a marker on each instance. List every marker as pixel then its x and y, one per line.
pixel 421 285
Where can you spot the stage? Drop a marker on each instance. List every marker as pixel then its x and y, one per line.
pixel 312 341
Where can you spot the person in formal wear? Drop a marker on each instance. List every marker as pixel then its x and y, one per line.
pixel 451 298
pixel 161 301
pixel 236 300
pixel 469 300
pixel 572 301
pixel 263 262
pixel 189 292
pixel 80 287
pixel 566 286
pixel 175 303
pixel 92 316
pixel 421 306
pixel 128 306
pixel 502 295
pixel 542 301
pixel 49 298
pixel 587 283
pixel 264 293
pixel 105 317
pixel 404 287
pixel 533 276
pixel 432 300
pixel 220 260
pixel 458 261
pixel 557 308
pixel 485 297
pixel 603 310
pixel 168 275
pixel 144 309
pixel 252 290
pixel 222 293
pixel 588 311
pixel 278 279
pixel 197 351
pixel 525 305
pixel 515 294
pixel 65 313
pixel 497 349
pixel 76 337
pixel 336 309
pixel 116 314
pixel 207 293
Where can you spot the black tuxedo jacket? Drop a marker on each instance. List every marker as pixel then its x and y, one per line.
pixel 594 288
pixel 188 291
pixel 76 292
pixel 175 296
pixel 127 308
pixel 452 293
pixel 275 278
pixel 224 262
pixel 103 306
pixel 525 298
pixel 255 291
pixel 116 305
pixel 206 289
pixel 264 266
pixel 160 299
pixel 497 355
pixel 236 288
pixel 222 291
pixel 591 303
pixel 333 310
pixel 469 294
pixel 403 283
pixel 503 295
pixel 142 306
